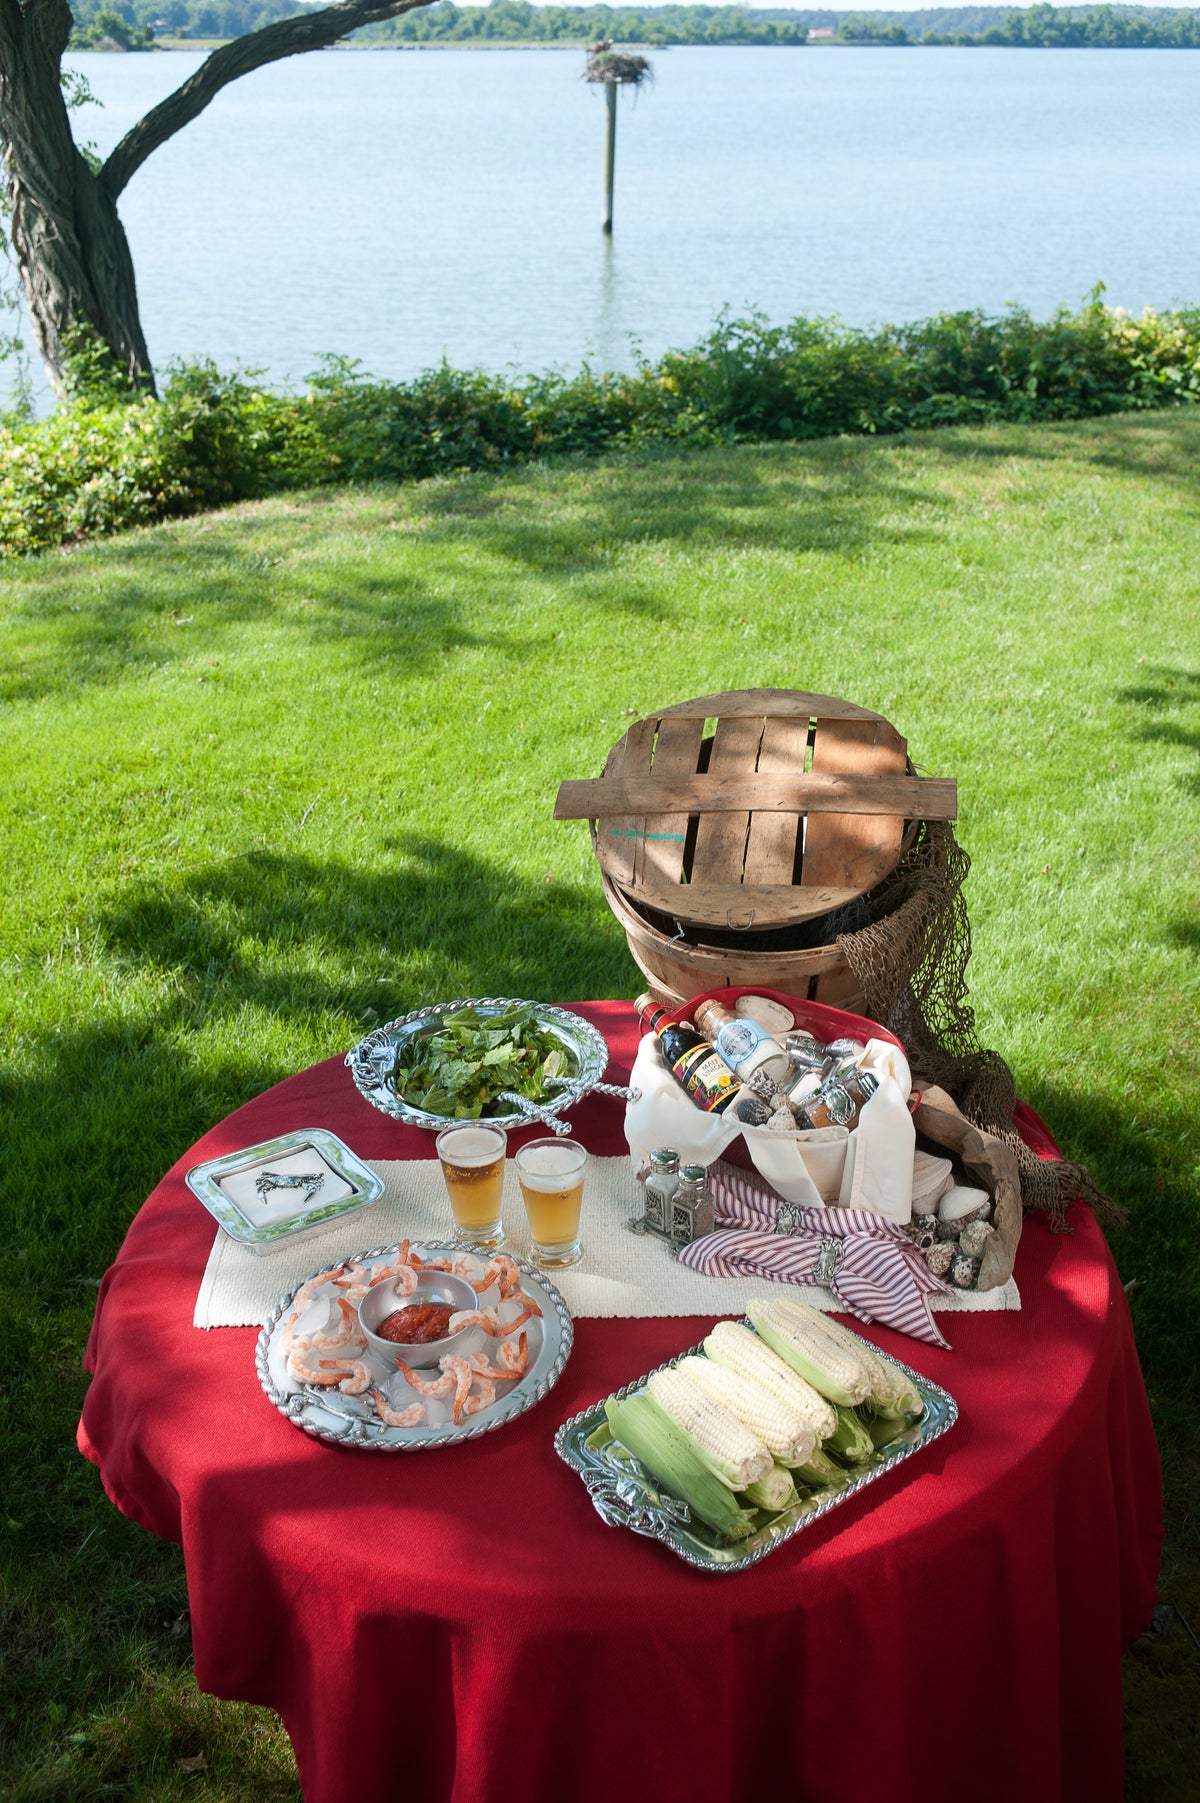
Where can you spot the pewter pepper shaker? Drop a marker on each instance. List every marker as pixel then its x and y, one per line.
pixel 692 1210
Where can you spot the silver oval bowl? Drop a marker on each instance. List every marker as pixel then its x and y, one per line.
pixel 435 1286
pixel 373 1060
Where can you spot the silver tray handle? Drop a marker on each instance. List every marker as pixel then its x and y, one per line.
pixel 621 1502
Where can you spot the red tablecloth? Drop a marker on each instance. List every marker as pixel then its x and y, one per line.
pixel 460 1625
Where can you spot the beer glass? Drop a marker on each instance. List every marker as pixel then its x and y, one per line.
pixel 472 1160
pixel 550 1172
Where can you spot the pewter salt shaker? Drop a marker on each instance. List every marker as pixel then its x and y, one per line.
pixel 661 1186
pixel 692 1210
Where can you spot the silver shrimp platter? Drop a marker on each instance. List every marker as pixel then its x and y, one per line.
pixel 344 1420
pixel 625 1495
pixel 373 1060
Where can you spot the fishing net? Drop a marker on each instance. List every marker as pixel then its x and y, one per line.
pixel 910 958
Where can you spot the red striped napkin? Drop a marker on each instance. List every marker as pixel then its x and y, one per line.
pixel 868 1262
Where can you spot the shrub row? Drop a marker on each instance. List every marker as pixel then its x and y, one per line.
pixel 107 460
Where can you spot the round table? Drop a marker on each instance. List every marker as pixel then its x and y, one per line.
pixel 460 1626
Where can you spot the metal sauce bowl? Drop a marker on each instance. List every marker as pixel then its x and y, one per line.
pixel 382 1301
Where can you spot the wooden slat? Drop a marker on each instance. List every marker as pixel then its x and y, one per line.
pixel 861 847
pixel 771 845
pixel 664 836
pixel 781 704
pixel 907 797
pixel 721 838
pixel 731 905
pixel 633 754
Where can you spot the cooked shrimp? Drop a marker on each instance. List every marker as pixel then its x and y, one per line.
pixel 399 1268
pixel 346 1334
pixel 305 1294
pixel 507 1273
pixel 333 1372
pixel 425 1386
pixel 484 1397
pixel 489 1321
pixel 350 1276
pixel 394 1417
pixel 478 1362
pixel 463 1377
pixel 355 1375
pixel 513 1356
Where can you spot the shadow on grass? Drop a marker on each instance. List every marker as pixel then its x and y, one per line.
pixel 263 964
pixel 1167 691
pixel 1161 445
pixel 256 957
pixel 1154 1176
pixel 329 568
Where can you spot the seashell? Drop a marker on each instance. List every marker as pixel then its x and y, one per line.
pixel 963 1271
pixel 940 1257
pixel 960 1201
pixel 921 1232
pixel 772 1015
pixel 974 1237
pixel 932 1177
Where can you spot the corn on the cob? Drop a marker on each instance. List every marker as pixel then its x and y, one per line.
pixel 828 1366
pixel 850 1439
pixel 891 1394
pixel 818 1469
pixel 775 1491
pixel 781 1428
pixel 733 1345
pixel 672 1461
pixel 726 1445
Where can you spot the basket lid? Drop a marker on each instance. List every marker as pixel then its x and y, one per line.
pixel 759 807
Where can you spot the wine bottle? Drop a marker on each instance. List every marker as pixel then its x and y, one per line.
pixel 693 1062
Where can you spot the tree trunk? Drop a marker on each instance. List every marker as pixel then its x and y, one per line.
pixel 70 245
pixel 69 242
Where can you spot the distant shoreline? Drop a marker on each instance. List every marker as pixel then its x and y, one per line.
pixel 580 44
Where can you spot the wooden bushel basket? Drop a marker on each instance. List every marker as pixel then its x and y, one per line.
pixel 723 825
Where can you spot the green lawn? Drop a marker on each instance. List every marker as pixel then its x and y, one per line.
pixel 277 774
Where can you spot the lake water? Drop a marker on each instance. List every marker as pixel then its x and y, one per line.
pixel 399 207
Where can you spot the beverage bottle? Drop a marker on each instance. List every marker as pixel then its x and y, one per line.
pixel 744 1044
pixel 697 1068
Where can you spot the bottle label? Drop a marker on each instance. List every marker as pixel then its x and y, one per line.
pixel 736 1039
pixel 706 1077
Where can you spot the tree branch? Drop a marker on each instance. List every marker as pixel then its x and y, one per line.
pixel 288 37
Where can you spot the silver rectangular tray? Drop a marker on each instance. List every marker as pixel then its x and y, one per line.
pixel 288 1209
pixel 625 1495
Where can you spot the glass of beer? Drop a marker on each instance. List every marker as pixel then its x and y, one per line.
pixel 472 1159
pixel 550 1172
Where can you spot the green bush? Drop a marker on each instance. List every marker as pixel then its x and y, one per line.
pixel 110 459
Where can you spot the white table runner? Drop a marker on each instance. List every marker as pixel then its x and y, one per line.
pixel 623 1274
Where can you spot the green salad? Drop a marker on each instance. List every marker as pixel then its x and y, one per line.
pixel 458 1070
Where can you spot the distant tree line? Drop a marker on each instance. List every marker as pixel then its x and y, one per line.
pixel 134 24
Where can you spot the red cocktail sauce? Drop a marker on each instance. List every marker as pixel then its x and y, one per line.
pixel 418 1325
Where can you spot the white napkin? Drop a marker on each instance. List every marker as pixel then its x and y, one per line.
pixel 805 1168
pixel 878 1172
pixel 887 1060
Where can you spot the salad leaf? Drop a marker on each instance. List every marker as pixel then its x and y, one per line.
pixel 459 1068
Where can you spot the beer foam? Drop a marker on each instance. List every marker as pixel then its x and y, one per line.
pixel 471 1145
pixel 551 1168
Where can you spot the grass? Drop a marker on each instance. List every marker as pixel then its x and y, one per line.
pixel 277 774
